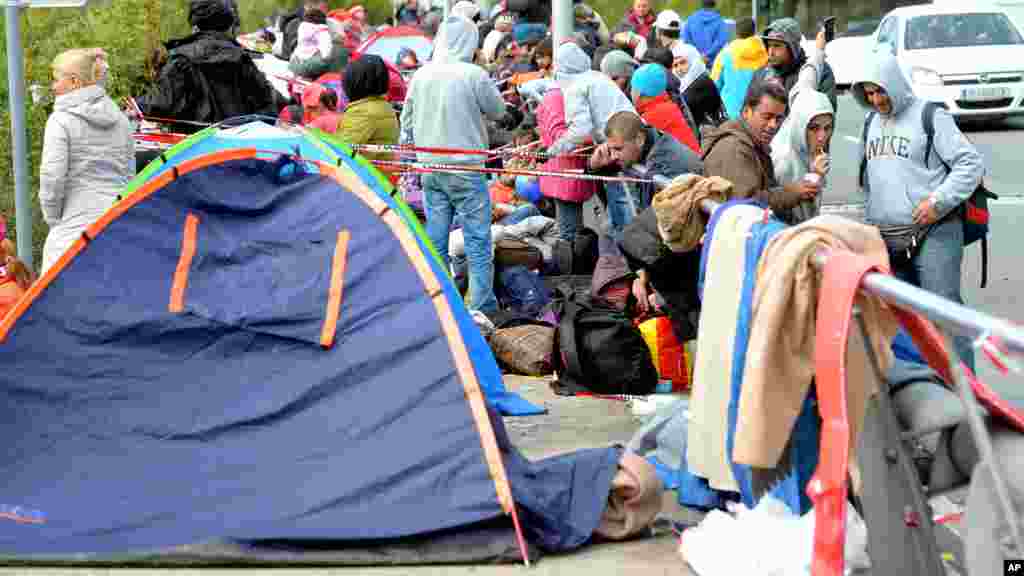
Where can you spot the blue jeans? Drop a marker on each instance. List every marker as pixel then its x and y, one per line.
pixel 621 207
pixel 446 196
pixel 569 216
pixel 936 268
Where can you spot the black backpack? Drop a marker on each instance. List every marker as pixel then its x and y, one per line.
pixel 599 350
pixel 974 210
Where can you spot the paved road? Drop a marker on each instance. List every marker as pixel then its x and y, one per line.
pixel 997 142
pixel 579 423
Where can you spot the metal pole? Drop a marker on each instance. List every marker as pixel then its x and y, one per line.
pixel 753 14
pixel 19 140
pixel 561 22
pixel 954 317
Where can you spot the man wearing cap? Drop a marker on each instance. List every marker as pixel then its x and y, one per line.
pixel 208 76
pixel 619 66
pixel 786 58
pixel 447 104
pixel 666 28
pixel 649 90
pixel 736 65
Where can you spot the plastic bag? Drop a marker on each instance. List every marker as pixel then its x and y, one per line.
pixel 768 540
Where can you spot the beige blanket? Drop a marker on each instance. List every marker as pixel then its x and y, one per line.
pixel 780 357
pixel 634 501
pixel 716 336
pixel 681 222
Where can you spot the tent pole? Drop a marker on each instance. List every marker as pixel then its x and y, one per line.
pixel 519 536
pixel 19 139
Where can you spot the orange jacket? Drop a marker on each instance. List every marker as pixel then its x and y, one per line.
pixel 662 113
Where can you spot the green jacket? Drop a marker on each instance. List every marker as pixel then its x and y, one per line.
pixel 370 121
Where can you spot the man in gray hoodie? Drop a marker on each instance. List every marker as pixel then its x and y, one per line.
pixel 446 105
pixel 905 188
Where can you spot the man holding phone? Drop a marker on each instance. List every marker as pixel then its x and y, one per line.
pixel 786 58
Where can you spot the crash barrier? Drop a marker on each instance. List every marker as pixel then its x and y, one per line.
pixel 844 275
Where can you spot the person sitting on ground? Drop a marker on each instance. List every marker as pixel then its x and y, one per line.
pixel 648 88
pixel 208 77
pixel 88 152
pixel 631 143
pixel 736 65
pixel 800 149
pixel 319 50
pixel 369 117
pixel 740 151
pixel 698 89
pixel 320 108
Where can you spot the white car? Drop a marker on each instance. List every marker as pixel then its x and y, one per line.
pixel 847 52
pixel 967 56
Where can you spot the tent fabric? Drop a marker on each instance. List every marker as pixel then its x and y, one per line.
pixel 316 145
pixel 168 386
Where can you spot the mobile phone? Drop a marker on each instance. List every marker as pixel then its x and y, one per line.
pixel 829 25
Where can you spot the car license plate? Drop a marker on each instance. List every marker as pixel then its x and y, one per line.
pixel 985 93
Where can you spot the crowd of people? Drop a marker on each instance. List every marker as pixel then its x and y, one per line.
pixel 657 95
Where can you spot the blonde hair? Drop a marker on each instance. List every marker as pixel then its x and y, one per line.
pixel 89 65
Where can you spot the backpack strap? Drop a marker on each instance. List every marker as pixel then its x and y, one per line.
pixel 928 122
pixel 568 346
pixel 864 142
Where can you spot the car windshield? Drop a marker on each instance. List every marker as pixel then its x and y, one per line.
pixel 957 30
pixel 861 27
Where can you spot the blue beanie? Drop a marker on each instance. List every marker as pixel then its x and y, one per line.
pixel 649 80
pixel 528 188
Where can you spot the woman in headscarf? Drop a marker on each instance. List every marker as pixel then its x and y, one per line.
pixel 699 91
pixel 369 117
pixel 88 151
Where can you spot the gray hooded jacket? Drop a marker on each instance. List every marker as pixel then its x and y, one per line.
pixel 790 157
pixel 88 158
pixel 448 99
pixel 896 179
pixel 591 98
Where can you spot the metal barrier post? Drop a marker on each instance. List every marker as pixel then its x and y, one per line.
pixel 952 318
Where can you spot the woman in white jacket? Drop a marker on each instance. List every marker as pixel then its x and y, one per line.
pixel 88 151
